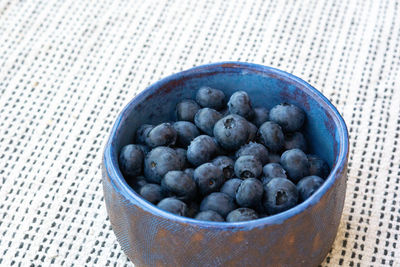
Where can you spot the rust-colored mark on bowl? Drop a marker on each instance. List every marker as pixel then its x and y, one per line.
pixel 238 237
pixel 197 237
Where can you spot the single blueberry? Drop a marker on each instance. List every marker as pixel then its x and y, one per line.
pixel 274 158
pixel 161 135
pixel 230 187
pixel 289 117
pixel 131 160
pixel 296 164
pixel 152 193
pixel 158 162
pixel 254 149
pixel 209 178
pixel 174 206
pixel 280 194
pixel 273 170
pixel 186 132
pixel 218 202
pixel 231 132
pixel 261 115
pixel 295 140
pixel 142 132
pixel 210 98
pixel 206 118
pixel 271 135
pixel 180 184
pixel 318 166
pixel 181 154
pixel 186 109
pixel 240 104
pixel 201 150
pixel 308 185
pixel 252 132
pixel 209 215
pixel 247 167
pixel 249 193
pixel 241 215
pixel 225 164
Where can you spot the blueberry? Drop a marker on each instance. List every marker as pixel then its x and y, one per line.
pixel 289 117
pixel 131 160
pixel 241 215
pixel 209 215
pixel 230 187
pixel 240 104
pixel 295 163
pixel 280 194
pixel 201 150
pixel 271 135
pixel 210 98
pixel 186 109
pixel 248 166
pixel 224 112
pixel 190 172
pixel 261 115
pixel 249 193
pixel 231 132
pixel 137 182
pixel 308 185
pixel 181 154
pixel 186 132
pixel 206 118
pixel 193 209
pixel 254 149
pixel 252 132
pixel 274 158
pixel 174 206
pixel 218 202
pixel 180 184
pixel 161 135
pixel 295 140
pixel 318 166
pixel 266 180
pixel 145 149
pixel 158 162
pixel 152 193
pixel 225 164
pixel 273 170
pixel 209 178
pixel 142 132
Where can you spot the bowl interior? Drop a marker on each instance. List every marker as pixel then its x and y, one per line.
pixel 265 86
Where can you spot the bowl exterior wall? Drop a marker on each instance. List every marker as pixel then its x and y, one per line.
pixel 150 240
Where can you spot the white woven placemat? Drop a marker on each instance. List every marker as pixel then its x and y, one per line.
pixel 68 67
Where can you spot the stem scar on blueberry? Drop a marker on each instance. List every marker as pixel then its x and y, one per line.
pixel 153 164
pixel 246 174
pixel 229 123
pixel 280 197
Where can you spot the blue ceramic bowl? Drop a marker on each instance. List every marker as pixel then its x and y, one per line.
pixel 301 236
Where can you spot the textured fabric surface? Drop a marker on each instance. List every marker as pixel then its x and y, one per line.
pixel 67 68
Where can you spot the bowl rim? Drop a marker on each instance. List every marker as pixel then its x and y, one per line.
pixel 110 159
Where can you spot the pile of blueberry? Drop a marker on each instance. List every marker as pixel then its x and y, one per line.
pixel 221 162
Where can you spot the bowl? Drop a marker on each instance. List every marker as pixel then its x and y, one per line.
pixel 300 236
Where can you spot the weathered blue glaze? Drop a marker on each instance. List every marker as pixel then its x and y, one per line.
pixel 301 236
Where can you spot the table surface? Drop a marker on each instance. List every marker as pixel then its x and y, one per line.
pixel 67 68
